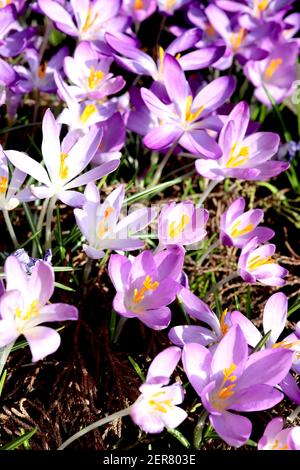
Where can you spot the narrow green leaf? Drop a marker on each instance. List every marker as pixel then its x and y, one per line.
pixel 180 437
pixel 19 441
pixel 2 381
pixel 262 342
pixel 137 368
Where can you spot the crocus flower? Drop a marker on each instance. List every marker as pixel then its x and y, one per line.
pixel 13 39
pixel 90 76
pixel 186 118
pixel 259 9
pixel 24 306
pixel 8 197
pixel 139 10
pixel 276 73
pixel 238 227
pixel 276 437
pixel 229 381
pixel 256 263
pixel 92 18
pixel 99 222
pixel 243 157
pixel 113 139
pixel 39 76
pixel 135 60
pixel 8 77
pixel 82 116
pixel 181 224
pixel 146 285
pixel 64 162
pixel 156 409
pixel 27 262
pixel 169 6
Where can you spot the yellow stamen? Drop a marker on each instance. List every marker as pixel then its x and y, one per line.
pixel 138 5
pixel 226 392
pixel 257 262
pixel 138 295
pixel 189 116
pixel 272 67
pixel 63 168
pixel 262 5
pixel 236 232
pixel 275 446
pixel 286 344
pixel 161 406
pixel 170 4
pixel 3 184
pixel 209 29
pixel 42 70
pixel 88 111
pixel 89 22
pixel 109 210
pixel 5 3
pixel 236 39
pixel 228 374
pixel 94 78
pixel 174 230
pixel 161 55
pixel 224 327
pixel 32 311
pixel 239 159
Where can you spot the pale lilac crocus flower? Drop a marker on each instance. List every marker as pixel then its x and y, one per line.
pixel 92 18
pixel 64 163
pixel 263 10
pixel 139 10
pixel 186 118
pixel 135 60
pixel 113 139
pixel 8 77
pixel 276 73
pixel 169 6
pixel 246 157
pixel 156 409
pixel 181 224
pixel 24 306
pixel 100 224
pixel 229 381
pixel 146 285
pixel 238 227
pixel 256 263
pixel 8 190
pixel 276 437
pixel 90 77
pixel 82 116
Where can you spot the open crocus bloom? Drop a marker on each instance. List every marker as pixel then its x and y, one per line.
pixel 24 306
pixel 139 10
pixel 186 118
pixel 181 224
pixel 156 408
pixel 8 197
pixel 100 223
pixel 229 380
pixel 238 227
pixel 276 437
pixel 146 285
pixel 90 76
pixel 256 263
pixel 243 157
pixel 64 162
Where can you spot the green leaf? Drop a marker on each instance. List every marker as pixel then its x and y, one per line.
pixel 137 368
pixel 19 440
pixel 2 381
pixel 180 437
pixel 63 287
pixel 262 342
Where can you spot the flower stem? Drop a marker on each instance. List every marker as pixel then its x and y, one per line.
pixel 40 224
pixel 50 210
pixel 208 251
pixel 221 283
pixel 4 353
pixel 10 228
pixel 120 326
pixel 198 431
pixel 162 165
pixel 91 427
pixel 211 185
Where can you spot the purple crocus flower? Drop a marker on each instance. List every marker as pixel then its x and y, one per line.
pixel 256 263
pixel 92 17
pixel 8 77
pixel 13 39
pixel 139 10
pixel 186 118
pixel 90 76
pixel 113 140
pixel 276 73
pixel 100 224
pixel 39 76
pixel 64 163
pixel 246 157
pixel 229 381
pixel 238 227
pixel 276 437
pixel 181 224
pixel 8 191
pixel 137 61
pixel 169 6
pixel 24 306
pixel 262 10
pixel 156 409
pixel 146 285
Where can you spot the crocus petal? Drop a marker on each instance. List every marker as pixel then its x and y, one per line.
pixel 234 429
pixel 256 398
pixel 41 282
pixel 15 275
pixel 29 166
pixel 291 389
pixel 201 144
pixel 175 82
pixel 157 319
pixel 196 361
pixel 274 317
pixel 250 332
pixel 201 58
pixel 164 364
pixel 71 198
pixel 118 268
pixel 169 262
pixel 51 143
pixel 93 253
pixel 94 174
pixel 215 94
pixel 162 137
pixel 59 312
pixel 232 349
pixel 40 192
pixel 42 341
pixel 181 335
pixel 196 308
